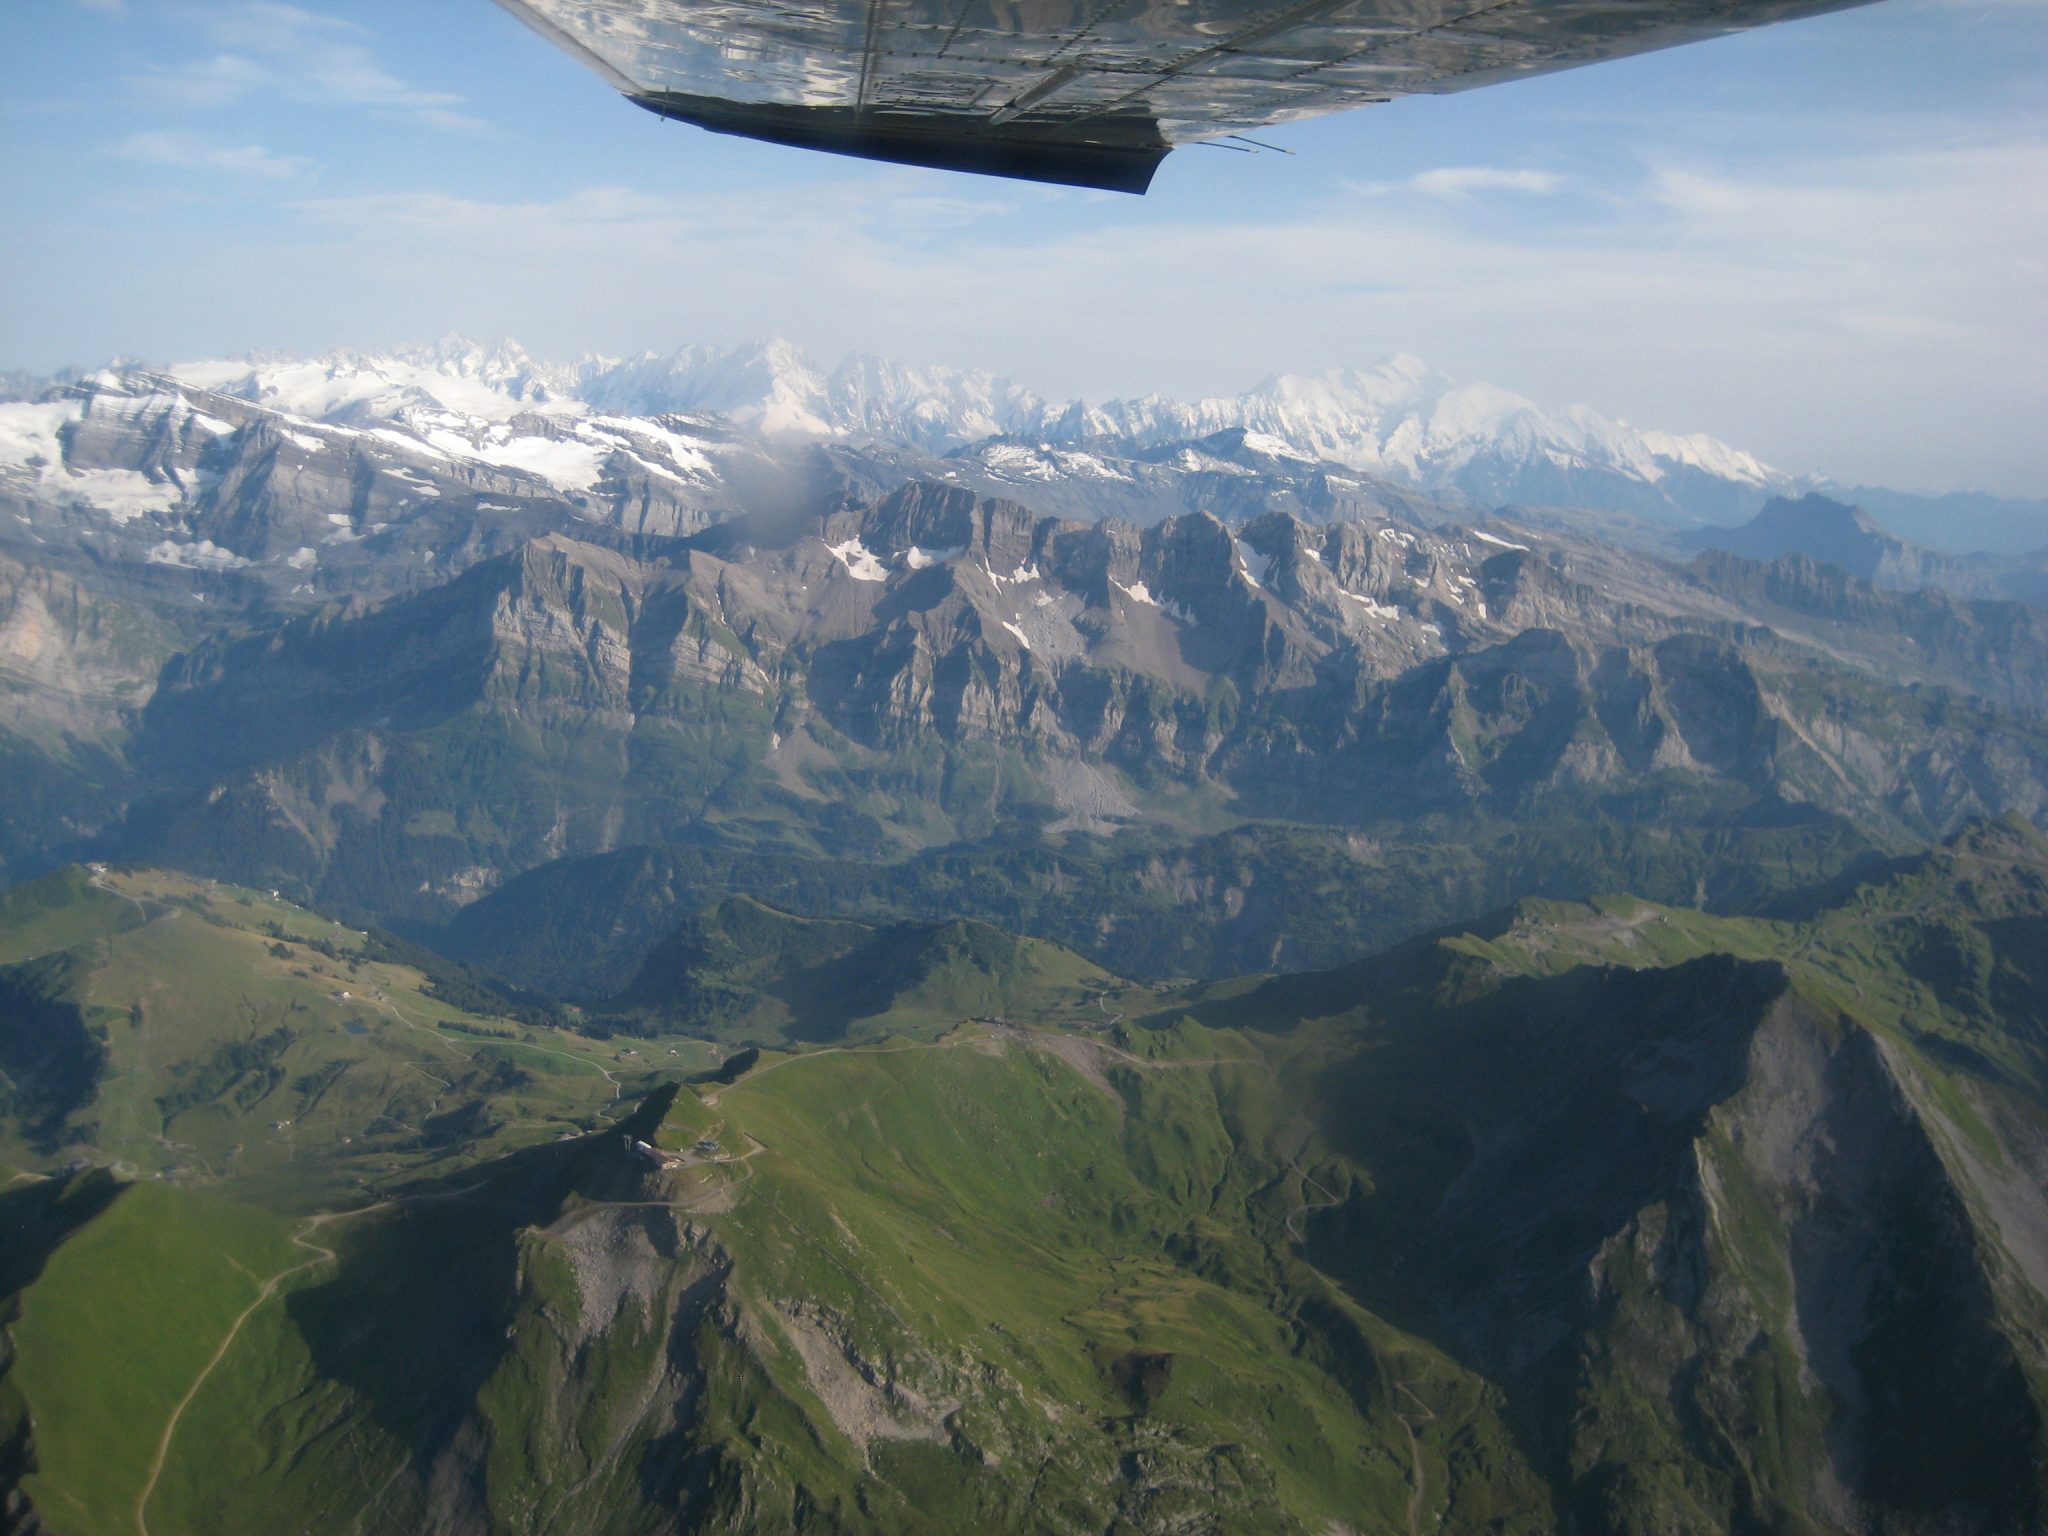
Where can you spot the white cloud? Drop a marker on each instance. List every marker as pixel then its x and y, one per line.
pixel 1460 183
pixel 192 152
pixel 1880 318
pixel 286 52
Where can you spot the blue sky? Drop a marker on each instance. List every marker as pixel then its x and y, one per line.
pixel 1821 241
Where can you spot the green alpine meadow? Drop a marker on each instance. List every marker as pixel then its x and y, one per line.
pixel 1602 1216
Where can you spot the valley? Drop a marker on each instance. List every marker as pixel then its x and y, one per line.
pixel 1117 1254
pixel 694 944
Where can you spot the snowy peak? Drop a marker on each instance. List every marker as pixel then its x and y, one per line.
pixel 1487 445
pixel 454 374
pixel 1698 451
pixel 769 387
pixel 1398 418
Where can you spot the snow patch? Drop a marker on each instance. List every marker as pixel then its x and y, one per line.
pixel 859 561
pixel 405 440
pixel 1378 610
pixel 1255 564
pixel 203 556
pixel 572 465
pixel 1138 591
pixel 917 559
pixel 1022 638
pixel 1016 462
pixel 1086 466
pixel 1275 447
pixel 655 469
pixel 304 558
pixel 1502 543
pixel 1195 462
pixel 123 494
pixel 28 433
pixel 688 458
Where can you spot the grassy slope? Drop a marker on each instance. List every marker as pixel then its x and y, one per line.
pixel 1072 1293
pixel 1055 1276
pixel 120 1323
pixel 742 971
pixel 243 1038
pixel 998 1187
pixel 1922 1001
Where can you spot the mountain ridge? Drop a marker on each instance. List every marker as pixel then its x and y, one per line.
pixel 1845 535
pixel 1476 444
pixel 1602 1216
pixel 1397 418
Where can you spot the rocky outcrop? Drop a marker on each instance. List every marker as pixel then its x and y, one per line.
pixel 1337 675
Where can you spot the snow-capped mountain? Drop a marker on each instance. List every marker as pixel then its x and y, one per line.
pixel 1405 422
pixel 773 388
pixel 1399 419
pixel 454 375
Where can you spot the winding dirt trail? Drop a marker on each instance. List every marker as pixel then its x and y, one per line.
pixel 97 879
pixel 322 1254
pixel 1300 1212
pixel 1418 1474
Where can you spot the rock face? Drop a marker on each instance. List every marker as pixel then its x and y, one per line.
pixel 363 598
pixel 1349 674
pixel 928 662
pixel 1780 1212
pixel 374 486
pixel 1729 1204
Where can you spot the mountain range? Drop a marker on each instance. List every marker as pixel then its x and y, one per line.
pixel 402 654
pixel 1397 423
pixel 693 944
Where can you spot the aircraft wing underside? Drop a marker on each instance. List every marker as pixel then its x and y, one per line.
pixel 1087 92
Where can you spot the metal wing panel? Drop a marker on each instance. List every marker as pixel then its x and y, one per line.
pixel 1087 91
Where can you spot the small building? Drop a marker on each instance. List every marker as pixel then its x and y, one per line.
pixel 653 1154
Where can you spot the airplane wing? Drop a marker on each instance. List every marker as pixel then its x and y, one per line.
pixel 1090 93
